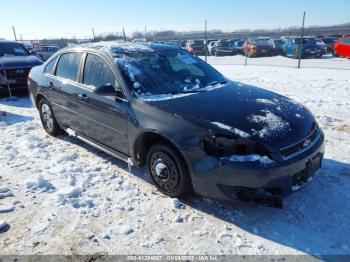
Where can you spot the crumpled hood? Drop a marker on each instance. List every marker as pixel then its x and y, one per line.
pixel 263 116
pixel 10 62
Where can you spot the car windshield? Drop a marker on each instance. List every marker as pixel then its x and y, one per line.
pixel 226 43
pixel 197 42
pixel 13 49
pixel 329 40
pixel 260 42
pixel 240 43
pixel 278 42
pixel 309 41
pixel 170 71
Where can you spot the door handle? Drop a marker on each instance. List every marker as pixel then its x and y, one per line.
pixel 51 86
pixel 83 97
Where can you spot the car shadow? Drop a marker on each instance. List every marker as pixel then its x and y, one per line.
pixel 23 102
pixel 4 229
pixel 312 220
pixel 11 118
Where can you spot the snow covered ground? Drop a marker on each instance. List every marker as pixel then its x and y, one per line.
pixel 61 196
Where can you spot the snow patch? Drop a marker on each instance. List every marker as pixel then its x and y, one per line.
pixel 6 209
pixel 5 192
pixel 161 97
pixel 272 124
pixel 265 101
pixel 40 184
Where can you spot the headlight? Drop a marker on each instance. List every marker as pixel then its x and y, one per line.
pixel 221 146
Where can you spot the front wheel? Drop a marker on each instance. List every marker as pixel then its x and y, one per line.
pixel 168 171
pixel 47 118
pixel 296 54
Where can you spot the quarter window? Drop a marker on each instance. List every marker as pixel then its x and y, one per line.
pixel 68 66
pixel 97 72
pixel 50 66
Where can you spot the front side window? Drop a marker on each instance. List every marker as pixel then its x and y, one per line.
pixel 169 71
pixel 345 41
pixel 68 66
pixel 97 72
pixel 13 49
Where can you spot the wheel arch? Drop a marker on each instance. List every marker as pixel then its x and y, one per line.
pixel 146 140
pixel 38 97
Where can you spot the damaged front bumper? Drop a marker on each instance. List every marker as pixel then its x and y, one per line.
pixel 252 181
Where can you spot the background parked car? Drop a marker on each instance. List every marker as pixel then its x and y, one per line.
pixel 238 45
pixel 45 51
pixel 15 64
pixel 255 47
pixel 342 47
pixel 196 47
pixel 224 47
pixel 322 45
pixel 330 42
pixel 310 48
pixel 277 44
pixel 210 46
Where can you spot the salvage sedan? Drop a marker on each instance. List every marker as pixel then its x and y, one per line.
pixel 160 107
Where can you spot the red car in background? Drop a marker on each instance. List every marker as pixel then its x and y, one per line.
pixel 342 47
pixel 257 47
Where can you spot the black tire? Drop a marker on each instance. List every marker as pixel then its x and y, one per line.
pixel 168 171
pixel 47 118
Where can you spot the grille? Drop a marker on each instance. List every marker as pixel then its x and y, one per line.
pixel 290 151
pixel 19 74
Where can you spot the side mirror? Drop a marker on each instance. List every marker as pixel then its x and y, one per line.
pixel 105 90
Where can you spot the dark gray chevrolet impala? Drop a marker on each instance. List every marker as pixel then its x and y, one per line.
pixel 161 107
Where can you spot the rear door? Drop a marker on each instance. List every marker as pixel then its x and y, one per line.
pixel 101 118
pixel 61 87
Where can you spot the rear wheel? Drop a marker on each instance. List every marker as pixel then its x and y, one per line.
pixel 168 171
pixel 47 118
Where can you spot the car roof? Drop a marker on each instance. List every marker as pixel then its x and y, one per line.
pixel 120 47
pixel 10 42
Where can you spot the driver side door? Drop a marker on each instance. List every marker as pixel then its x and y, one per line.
pixel 101 118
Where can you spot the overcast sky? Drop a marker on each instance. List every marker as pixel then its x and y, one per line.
pixel 38 19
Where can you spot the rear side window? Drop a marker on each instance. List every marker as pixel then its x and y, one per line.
pixel 97 72
pixel 50 66
pixel 68 66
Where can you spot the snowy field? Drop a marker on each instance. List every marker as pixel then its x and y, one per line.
pixel 61 196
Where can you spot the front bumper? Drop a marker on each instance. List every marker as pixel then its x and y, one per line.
pixel 231 180
pixel 312 53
